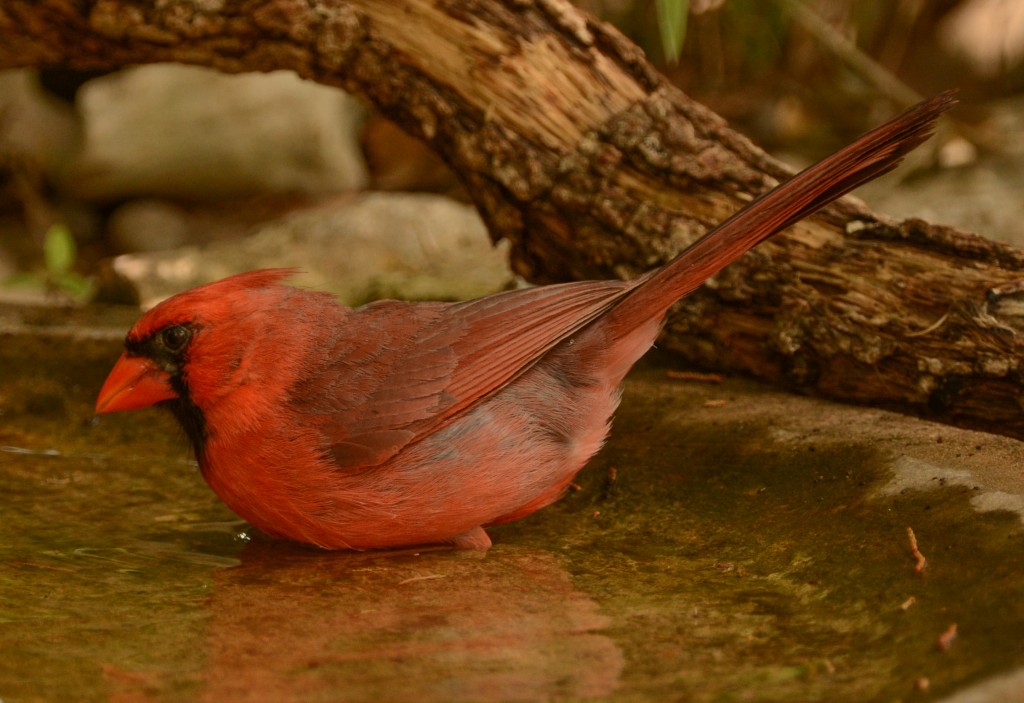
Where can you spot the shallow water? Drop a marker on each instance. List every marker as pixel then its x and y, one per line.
pixel 702 559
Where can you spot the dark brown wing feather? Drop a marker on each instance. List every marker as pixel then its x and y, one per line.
pixel 415 365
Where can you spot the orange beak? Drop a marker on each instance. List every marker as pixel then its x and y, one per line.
pixel 133 383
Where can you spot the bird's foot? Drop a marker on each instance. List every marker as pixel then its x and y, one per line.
pixel 474 538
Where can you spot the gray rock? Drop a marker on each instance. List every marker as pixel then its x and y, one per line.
pixel 186 132
pixel 407 246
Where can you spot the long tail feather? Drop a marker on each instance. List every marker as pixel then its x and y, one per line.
pixel 877 152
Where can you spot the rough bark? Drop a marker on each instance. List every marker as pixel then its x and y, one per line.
pixel 583 156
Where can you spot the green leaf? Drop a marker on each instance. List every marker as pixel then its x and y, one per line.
pixel 672 16
pixel 59 250
pixel 78 287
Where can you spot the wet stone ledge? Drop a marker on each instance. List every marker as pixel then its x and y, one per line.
pixel 730 542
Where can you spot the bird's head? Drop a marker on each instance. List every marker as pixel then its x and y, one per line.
pixel 182 348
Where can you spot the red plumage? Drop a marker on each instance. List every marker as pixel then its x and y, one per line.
pixel 411 423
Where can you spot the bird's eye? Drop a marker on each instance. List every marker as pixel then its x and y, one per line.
pixel 175 337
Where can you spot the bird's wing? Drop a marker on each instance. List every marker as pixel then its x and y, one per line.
pixel 404 369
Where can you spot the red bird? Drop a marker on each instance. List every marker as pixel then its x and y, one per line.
pixel 403 423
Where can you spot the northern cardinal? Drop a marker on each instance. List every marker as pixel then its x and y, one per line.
pixel 399 424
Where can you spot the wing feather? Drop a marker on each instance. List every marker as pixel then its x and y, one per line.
pixel 395 371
